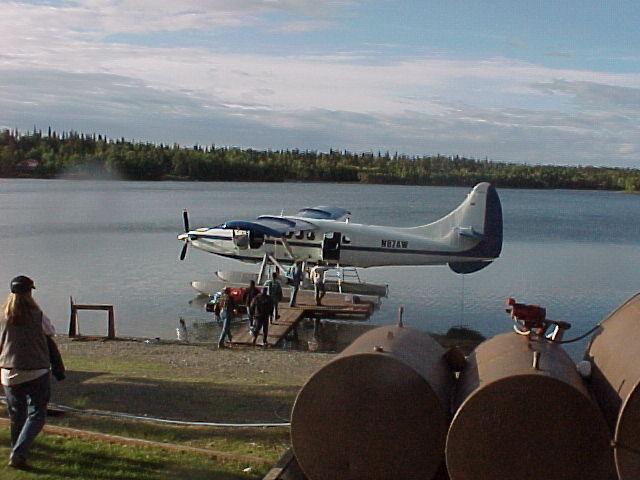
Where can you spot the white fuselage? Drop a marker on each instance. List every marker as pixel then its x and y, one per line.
pixel 348 244
pixel 467 238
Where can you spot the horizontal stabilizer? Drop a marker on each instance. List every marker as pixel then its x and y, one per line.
pixel 469 232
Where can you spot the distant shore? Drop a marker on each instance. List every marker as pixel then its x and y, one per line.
pixel 73 154
pixel 169 178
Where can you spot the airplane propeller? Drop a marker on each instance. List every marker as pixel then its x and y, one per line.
pixel 185 218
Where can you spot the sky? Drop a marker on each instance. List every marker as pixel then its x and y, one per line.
pixel 537 81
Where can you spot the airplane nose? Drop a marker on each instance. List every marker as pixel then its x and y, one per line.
pixel 183 236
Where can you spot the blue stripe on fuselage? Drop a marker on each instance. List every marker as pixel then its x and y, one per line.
pixel 344 247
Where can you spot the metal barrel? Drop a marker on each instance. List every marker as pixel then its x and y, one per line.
pixel 523 412
pixel 379 410
pixel 614 353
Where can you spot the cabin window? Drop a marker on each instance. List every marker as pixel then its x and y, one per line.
pixel 300 235
pixel 346 239
pixel 311 236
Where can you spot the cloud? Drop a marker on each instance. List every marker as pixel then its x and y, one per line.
pixel 56 68
pixel 595 95
pixel 299 26
pixel 121 106
pixel 99 18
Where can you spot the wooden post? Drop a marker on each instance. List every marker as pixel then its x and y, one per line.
pixel 400 312
pixel 316 326
pixel 73 320
pixel 111 333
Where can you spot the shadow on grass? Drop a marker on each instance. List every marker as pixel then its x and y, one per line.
pixel 179 400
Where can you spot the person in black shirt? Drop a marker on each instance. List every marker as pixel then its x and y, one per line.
pixel 250 293
pixel 261 308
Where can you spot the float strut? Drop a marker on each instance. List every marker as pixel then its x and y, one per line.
pixel 262 268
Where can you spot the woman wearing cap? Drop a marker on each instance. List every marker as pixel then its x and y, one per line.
pixel 24 362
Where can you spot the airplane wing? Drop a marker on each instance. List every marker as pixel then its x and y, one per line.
pixel 324 213
pixel 271 226
pixel 278 226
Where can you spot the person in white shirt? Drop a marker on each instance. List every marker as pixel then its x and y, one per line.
pixel 181 331
pixel 317 277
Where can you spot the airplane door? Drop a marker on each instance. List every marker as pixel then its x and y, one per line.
pixel 331 246
pixel 241 239
pixel 256 240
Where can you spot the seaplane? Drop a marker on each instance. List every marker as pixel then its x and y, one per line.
pixel 467 239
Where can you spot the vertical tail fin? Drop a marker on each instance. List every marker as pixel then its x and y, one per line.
pixel 487 221
pixel 474 228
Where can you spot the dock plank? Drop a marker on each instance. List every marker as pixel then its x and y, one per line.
pixel 289 317
pixel 334 307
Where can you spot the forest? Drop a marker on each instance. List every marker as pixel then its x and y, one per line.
pixel 77 155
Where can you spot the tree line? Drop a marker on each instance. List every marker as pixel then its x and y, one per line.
pixel 34 154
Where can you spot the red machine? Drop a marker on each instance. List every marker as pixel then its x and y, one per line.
pixel 236 294
pixel 531 316
pixel 533 319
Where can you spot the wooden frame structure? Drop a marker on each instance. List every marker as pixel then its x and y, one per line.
pixel 73 319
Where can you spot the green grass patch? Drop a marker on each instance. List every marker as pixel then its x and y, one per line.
pixel 54 457
pixel 178 400
pixel 170 381
pixel 266 443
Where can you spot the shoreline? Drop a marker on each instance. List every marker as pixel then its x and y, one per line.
pixel 316 182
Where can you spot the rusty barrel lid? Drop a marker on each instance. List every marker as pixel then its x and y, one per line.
pixel 379 410
pixel 614 352
pixel 514 421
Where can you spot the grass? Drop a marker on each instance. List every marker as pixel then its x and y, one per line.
pixel 180 382
pixel 151 393
pixel 265 443
pixel 195 401
pixel 53 457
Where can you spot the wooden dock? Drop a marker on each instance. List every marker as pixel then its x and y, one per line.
pixel 286 468
pixel 333 307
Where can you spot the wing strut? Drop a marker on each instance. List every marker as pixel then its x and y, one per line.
pixel 286 246
pixel 263 267
pixel 273 260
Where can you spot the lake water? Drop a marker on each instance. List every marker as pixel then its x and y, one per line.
pixel 575 252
